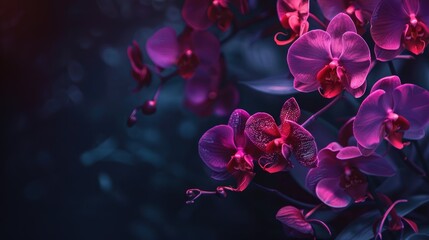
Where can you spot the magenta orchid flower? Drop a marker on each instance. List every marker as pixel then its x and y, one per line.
pixel 296 224
pixel 332 60
pixel 139 70
pixel 201 14
pixel 391 111
pixel 400 24
pixel 226 150
pixel 279 142
pixel 360 11
pixel 293 15
pixel 339 179
pixel 189 51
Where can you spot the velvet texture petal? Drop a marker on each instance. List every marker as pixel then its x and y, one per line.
pixel 261 129
pixel 388 24
pixel 290 110
pixel 237 121
pixel 216 147
pixel 349 153
pixel 206 46
pixel 371 115
pixel 163 47
pixel 374 165
pixel 356 59
pixel 307 56
pixel 330 8
pixel 339 25
pixel 194 12
pixel 329 192
pixel 303 145
pixel 293 217
pixel 412 102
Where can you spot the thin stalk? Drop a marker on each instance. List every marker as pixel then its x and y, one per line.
pixel 318 113
pixel 315 18
pixel 421 157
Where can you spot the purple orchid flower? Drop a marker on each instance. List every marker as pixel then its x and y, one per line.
pixel 226 150
pixel 139 70
pixel 360 11
pixel 339 178
pixel 191 50
pixel 331 61
pixel 201 14
pixel 400 24
pixel 297 225
pixel 391 111
pixel 278 142
pixel 293 15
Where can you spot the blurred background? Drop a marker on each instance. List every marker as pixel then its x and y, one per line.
pixel 72 169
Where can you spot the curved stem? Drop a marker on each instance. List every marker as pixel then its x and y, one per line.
pixel 413 166
pixel 163 80
pixel 315 115
pixel 315 18
pixel 286 197
pixel 313 210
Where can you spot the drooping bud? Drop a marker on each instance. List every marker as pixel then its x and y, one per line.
pixel 149 107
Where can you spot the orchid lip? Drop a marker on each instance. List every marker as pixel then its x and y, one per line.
pixel 413 19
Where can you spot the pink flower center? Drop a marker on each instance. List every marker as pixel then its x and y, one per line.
pixel 331 79
pixel 394 128
pixel 187 64
pixel 240 162
pixel 354 183
pixel 416 35
pixel 219 14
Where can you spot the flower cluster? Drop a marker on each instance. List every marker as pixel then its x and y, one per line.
pixel 349 171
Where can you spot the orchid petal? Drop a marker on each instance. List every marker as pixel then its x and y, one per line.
pixel 339 25
pixel 306 87
pixel 163 48
pixel 216 147
pixel 274 162
pixel 388 24
pixel 367 126
pixel 329 192
pixel 374 165
pixel 303 145
pixel 349 153
pixel 237 121
pixel 355 58
pixel 290 110
pixel 308 55
pixel 322 172
pixel 243 179
pixel 195 14
pixel 388 84
pixel 386 55
pixel 292 217
pixel 261 129
pixel 412 102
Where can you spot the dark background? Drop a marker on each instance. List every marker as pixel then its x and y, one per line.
pixel 71 169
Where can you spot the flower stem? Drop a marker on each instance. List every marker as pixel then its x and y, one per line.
pixel 315 18
pixel 315 115
pixel 286 197
pixel 413 166
pixel 313 210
